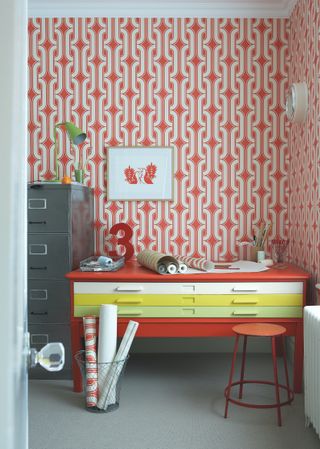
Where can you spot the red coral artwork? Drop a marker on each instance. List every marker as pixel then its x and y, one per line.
pixel 140 175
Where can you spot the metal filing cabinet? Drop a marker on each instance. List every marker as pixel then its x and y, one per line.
pixel 60 234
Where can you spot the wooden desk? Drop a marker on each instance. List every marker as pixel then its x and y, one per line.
pixel 201 305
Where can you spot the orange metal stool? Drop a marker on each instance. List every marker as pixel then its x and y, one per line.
pixel 259 330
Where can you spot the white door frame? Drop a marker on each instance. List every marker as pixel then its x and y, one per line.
pixel 13 224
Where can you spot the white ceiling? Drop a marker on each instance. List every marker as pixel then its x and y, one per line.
pixel 161 8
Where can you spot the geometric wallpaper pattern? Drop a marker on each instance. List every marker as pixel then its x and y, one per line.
pixel 213 89
pixel 304 141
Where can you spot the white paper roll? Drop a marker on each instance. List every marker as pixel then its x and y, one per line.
pixel 108 387
pixel 162 269
pixel 107 345
pixel 171 268
pixel 183 268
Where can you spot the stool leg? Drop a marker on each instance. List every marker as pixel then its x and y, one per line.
pixel 244 353
pixel 231 374
pixel 285 365
pixel 275 372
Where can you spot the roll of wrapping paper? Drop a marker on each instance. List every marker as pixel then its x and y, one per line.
pixel 154 260
pixel 90 339
pixel 198 263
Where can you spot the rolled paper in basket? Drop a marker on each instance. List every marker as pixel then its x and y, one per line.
pixel 109 387
pixel 198 263
pixel 90 337
pixel 107 346
pixel 154 261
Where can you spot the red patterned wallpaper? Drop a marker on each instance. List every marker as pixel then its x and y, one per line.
pixel 304 140
pixel 212 88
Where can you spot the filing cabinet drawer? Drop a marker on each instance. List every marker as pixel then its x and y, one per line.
pixel 48 301
pixel 48 210
pixel 40 335
pixel 48 256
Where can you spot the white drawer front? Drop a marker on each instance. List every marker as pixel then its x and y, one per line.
pixel 245 288
pixel 135 288
pixel 200 288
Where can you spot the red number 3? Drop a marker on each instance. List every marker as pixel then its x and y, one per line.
pixel 125 240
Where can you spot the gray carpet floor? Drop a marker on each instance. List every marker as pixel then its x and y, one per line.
pixel 168 401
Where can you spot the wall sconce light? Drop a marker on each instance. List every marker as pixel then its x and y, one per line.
pixel 76 136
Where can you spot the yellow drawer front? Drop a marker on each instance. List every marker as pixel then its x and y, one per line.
pixel 86 299
pixel 197 312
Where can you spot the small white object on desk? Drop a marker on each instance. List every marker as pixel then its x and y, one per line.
pixel 267 262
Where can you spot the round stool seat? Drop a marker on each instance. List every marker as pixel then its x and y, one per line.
pixel 259 329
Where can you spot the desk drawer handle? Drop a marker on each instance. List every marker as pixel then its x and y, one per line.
pixel 244 301
pixel 235 289
pixel 39 313
pixel 245 313
pixel 130 313
pixel 128 301
pixel 129 289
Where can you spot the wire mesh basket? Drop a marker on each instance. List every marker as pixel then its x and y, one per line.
pixel 102 383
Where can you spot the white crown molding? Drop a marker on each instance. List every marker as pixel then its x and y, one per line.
pixel 162 8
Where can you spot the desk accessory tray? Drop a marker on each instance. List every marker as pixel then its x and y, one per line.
pixel 92 264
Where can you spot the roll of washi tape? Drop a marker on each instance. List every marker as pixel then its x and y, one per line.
pixel 105 261
pixel 183 268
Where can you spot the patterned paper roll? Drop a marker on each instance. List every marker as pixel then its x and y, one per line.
pixel 153 260
pixel 90 338
pixel 107 340
pixel 198 263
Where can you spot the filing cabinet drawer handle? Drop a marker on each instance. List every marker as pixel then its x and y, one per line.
pixel 38 268
pixel 37 222
pixel 128 301
pixel 245 301
pixel 38 294
pixel 38 249
pixel 39 313
pixel 37 203
pixel 244 313
pixel 237 289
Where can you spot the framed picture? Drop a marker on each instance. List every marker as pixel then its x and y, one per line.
pixel 140 173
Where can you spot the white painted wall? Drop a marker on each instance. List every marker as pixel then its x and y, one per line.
pixel 13 151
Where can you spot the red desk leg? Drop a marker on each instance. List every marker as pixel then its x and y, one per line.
pixel 76 346
pixel 298 359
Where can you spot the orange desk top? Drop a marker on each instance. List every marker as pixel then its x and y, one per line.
pixel 133 272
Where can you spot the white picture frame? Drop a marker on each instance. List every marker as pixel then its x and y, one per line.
pixel 139 173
